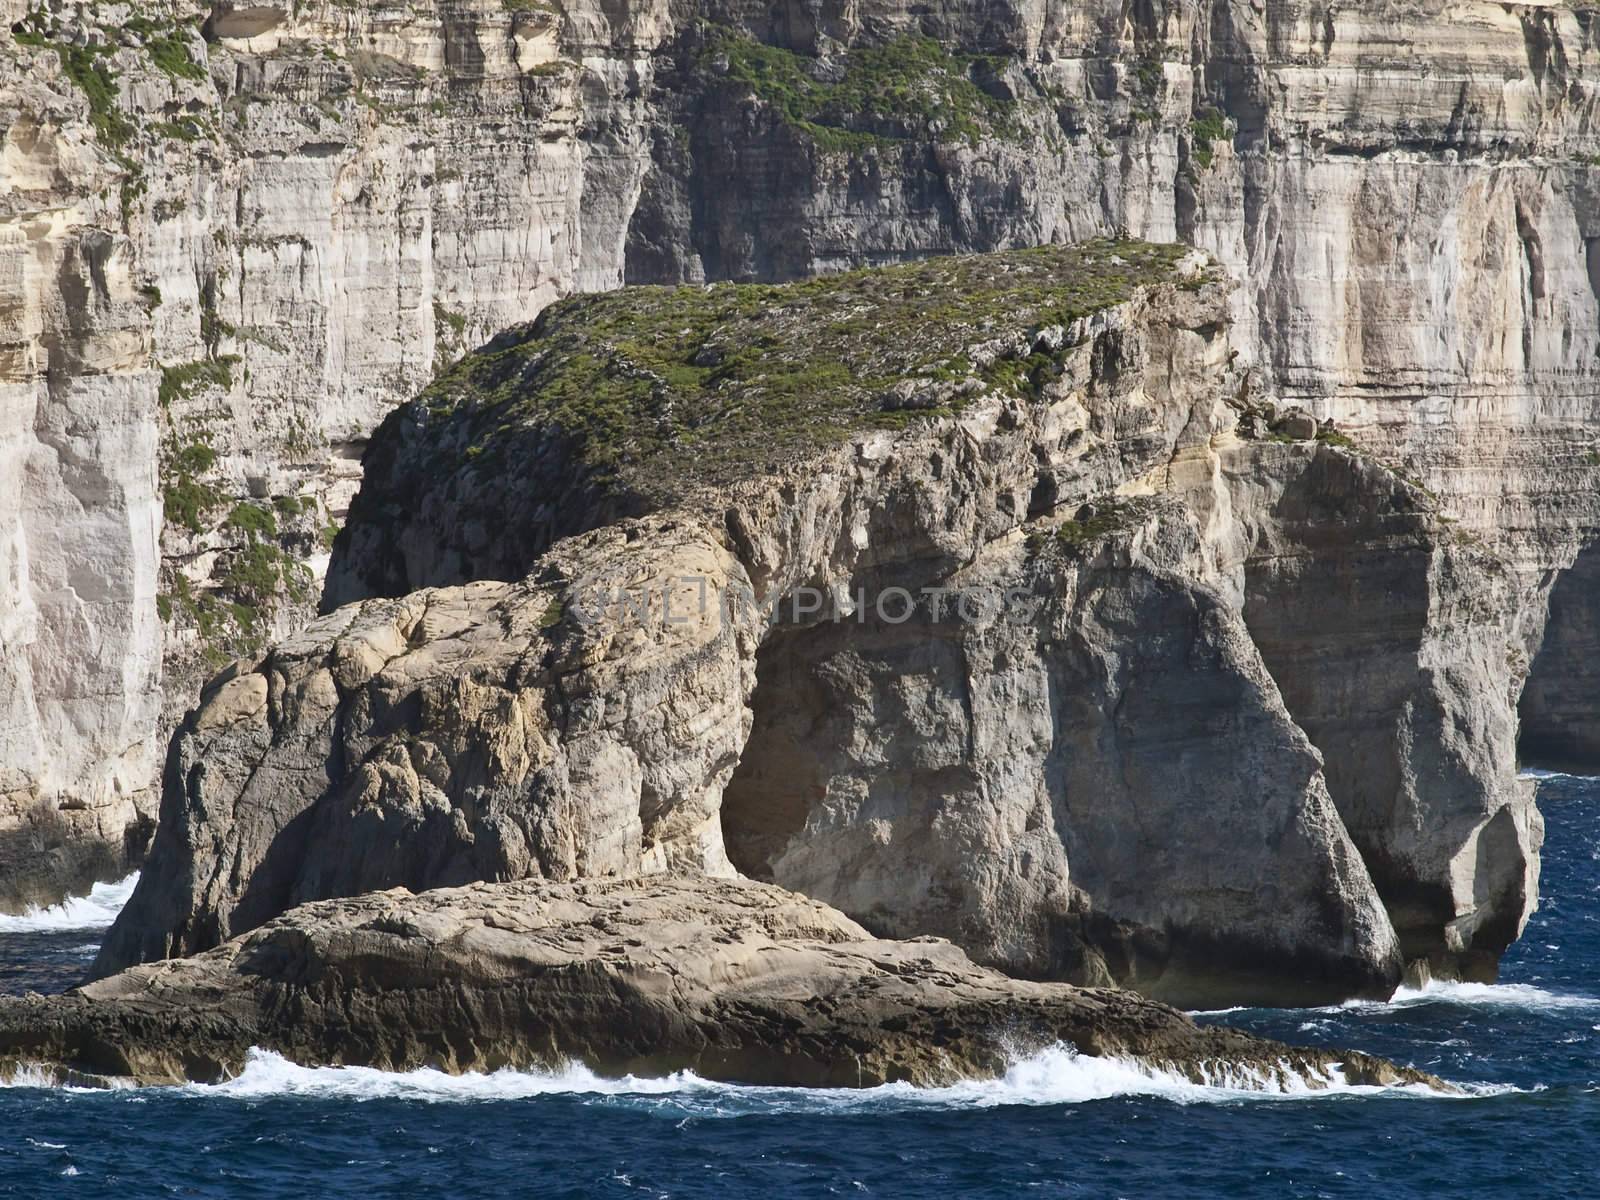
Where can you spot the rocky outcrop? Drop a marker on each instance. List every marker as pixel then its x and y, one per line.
pixel 1087 774
pixel 734 981
pixel 979 662
pixel 1560 708
pixel 320 204
pixel 1413 709
pixel 454 735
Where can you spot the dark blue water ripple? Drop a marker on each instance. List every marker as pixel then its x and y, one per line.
pixel 1534 1040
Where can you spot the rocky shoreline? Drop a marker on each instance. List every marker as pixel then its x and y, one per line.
pixel 735 981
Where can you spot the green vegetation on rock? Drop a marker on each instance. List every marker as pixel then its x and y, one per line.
pixel 662 387
pixel 1104 517
pixel 226 629
pixel 185 379
pixel 97 82
pixel 167 47
pixel 255 521
pixel 1206 130
pixel 185 500
pixel 911 87
pixel 444 318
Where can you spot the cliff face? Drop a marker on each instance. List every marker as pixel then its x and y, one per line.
pixel 226 257
pixel 957 639
pixel 78 526
pixel 311 208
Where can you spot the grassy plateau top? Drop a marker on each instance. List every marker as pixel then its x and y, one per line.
pixel 658 387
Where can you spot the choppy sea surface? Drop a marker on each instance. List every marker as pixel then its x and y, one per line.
pixel 1527 1050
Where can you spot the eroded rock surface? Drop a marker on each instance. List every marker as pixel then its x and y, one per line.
pixel 315 206
pixel 1560 708
pixel 734 981
pixel 1064 750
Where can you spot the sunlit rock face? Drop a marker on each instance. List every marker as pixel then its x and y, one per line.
pixel 301 212
pixel 1049 650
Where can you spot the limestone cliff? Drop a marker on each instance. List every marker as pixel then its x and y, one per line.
pixel 310 208
pixel 997 677
pixel 233 238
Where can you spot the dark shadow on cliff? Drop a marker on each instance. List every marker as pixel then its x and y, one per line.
pixel 1380 626
pixel 1560 705
pixel 45 860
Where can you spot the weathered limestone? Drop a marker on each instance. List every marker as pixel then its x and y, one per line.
pixel 336 199
pixel 216 284
pixel 734 981
pixel 1097 781
pixel 454 735
pixel 1096 777
pixel 78 520
pixel 1389 632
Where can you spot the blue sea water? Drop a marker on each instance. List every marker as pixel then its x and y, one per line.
pixel 1528 1049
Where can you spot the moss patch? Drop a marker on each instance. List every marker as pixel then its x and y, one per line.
pixel 911 87
pixel 186 379
pixel 1102 518
pixel 185 499
pixel 1206 130
pixel 98 82
pixel 657 388
pixel 171 54
pixel 255 521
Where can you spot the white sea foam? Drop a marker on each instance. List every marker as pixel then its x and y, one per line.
pixel 97 910
pixel 1489 995
pixel 1055 1076
pixel 1541 773
pixel 1523 996
pixel 26 1076
pixel 269 1074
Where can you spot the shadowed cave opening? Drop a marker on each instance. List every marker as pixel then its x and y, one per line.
pixel 765 802
pixel 781 774
pixel 865 732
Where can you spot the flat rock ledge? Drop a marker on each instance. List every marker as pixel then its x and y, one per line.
pixel 736 981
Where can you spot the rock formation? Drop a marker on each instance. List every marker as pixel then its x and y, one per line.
pixel 235 235
pixel 1559 705
pixel 734 981
pixel 947 616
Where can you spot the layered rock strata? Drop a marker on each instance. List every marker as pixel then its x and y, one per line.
pixel 1068 748
pixel 734 981
pixel 317 205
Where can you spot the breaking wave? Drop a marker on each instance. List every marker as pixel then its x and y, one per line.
pixel 1488 995
pixel 1501 996
pixel 97 910
pixel 1055 1076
